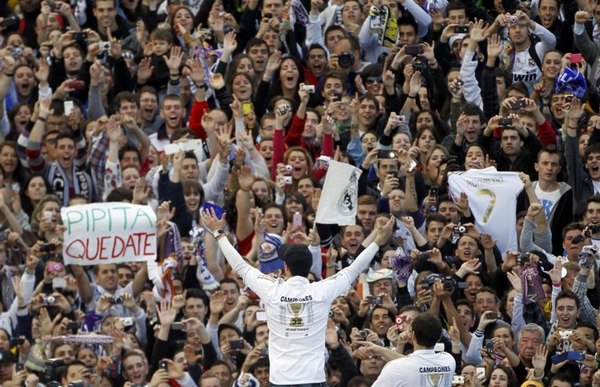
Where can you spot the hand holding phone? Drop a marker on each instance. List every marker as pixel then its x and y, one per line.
pixel 413 49
pixel 236 344
pixel 576 58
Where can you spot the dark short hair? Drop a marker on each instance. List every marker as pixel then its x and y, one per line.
pixel 334 27
pixel 197 293
pixel 550 151
pixel 64 135
pixel 455 5
pixel 408 21
pixel 567 294
pixel 120 194
pixel 571 227
pixel 585 324
pixel 389 313
pixel 354 44
pixel 127 96
pixel 427 329
pixel 256 42
pixel 146 89
pixel 470 109
pixel 230 281
pixel 593 199
pixel 465 302
pixel 592 148
pixel 435 217
pixel 518 87
pixel 162 34
pixel 562 377
pixel 317 46
pixel 129 148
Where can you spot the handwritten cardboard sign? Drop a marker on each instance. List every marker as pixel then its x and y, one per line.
pixel 102 233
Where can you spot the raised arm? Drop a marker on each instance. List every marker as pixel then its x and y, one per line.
pixel 83 284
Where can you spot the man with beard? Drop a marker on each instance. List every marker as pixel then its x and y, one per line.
pixel 316 66
pixel 109 24
pixel 172 112
pixel 525 56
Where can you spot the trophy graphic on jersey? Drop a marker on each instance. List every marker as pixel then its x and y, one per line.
pixel 434 380
pixel 296 309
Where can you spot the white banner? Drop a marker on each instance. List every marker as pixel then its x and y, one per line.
pixel 339 197
pixel 102 233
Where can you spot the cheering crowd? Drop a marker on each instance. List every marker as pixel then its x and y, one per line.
pixel 472 254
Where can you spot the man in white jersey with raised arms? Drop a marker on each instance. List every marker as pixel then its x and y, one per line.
pixel 297 310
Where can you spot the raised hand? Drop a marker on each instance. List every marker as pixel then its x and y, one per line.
pixel 493 46
pixel 415 83
pixel 145 70
pixel 211 222
pixel 384 228
pixel 174 59
pixel 487 241
pixel 166 313
pixel 217 81
pixel 113 130
pixel 556 272
pixel 477 32
pixel 534 210
pixel 229 43
pixel 217 302
pixel 197 71
pixel 273 63
pixel 515 281
pixel 245 178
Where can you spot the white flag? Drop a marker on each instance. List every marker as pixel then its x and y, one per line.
pixel 339 197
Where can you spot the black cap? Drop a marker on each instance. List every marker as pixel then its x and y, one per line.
pixel 7 357
pixel 297 257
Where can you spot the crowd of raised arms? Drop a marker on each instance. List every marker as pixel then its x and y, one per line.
pixel 244 105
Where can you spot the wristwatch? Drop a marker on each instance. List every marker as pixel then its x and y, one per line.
pixel 218 233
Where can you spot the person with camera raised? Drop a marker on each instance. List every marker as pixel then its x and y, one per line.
pixel 521 56
pixel 297 310
pixel 345 62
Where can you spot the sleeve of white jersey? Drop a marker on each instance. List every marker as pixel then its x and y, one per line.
pixel 388 376
pixel 260 283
